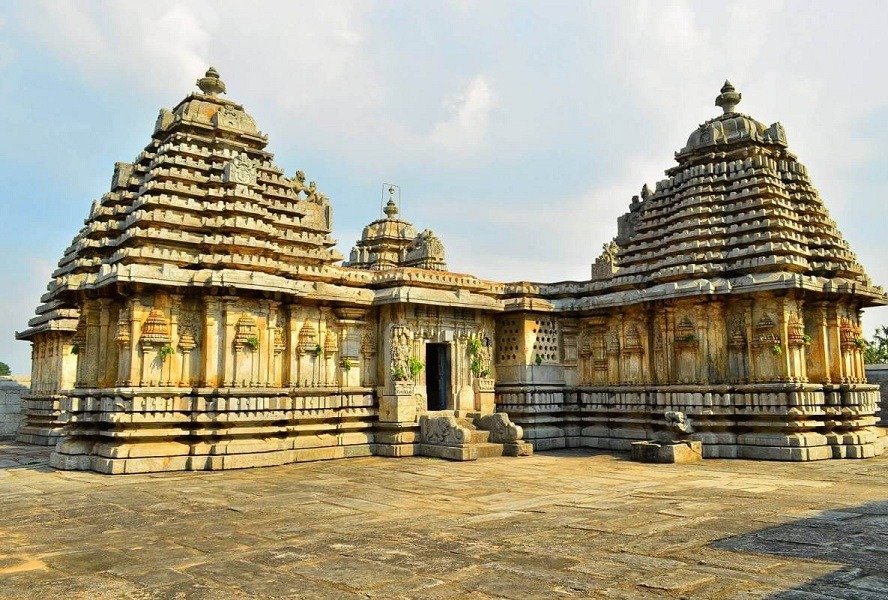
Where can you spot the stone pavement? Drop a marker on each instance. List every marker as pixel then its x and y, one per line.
pixel 568 524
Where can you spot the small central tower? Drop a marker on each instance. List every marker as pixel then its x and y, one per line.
pixel 392 242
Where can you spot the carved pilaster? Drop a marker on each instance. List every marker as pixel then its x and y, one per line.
pixel 834 337
pixel 750 333
pixel 230 315
pixel 211 343
pixel 124 339
pixel 292 353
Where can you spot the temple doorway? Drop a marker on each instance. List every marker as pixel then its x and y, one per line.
pixel 438 376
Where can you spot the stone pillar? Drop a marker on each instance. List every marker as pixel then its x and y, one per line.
pixel 210 375
pixel 704 331
pixel 135 325
pixel 859 368
pixel 124 341
pixel 368 352
pixel 227 349
pixel 93 343
pixel 292 355
pixel 267 374
pixel 785 364
pixel 669 345
pixel 802 371
pixel 185 372
pixel 834 336
pixel 36 364
pixel 570 358
pixel 752 374
pixel 174 361
pixel 103 374
pixel 717 343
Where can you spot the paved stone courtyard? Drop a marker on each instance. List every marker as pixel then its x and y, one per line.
pixel 570 524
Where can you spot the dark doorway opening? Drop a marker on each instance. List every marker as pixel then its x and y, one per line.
pixel 438 375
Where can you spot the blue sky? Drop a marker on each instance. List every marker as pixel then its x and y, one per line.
pixel 518 131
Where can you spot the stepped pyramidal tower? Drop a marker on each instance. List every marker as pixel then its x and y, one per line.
pixel 201 319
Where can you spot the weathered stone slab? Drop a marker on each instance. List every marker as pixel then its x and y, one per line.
pixel 664 452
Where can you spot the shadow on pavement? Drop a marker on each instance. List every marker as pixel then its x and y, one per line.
pixel 15 455
pixel 856 537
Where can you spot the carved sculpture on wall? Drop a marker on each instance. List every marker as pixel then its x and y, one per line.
pixel 442 430
pixel 501 428
pixel 246 333
pixel 606 264
pixel 122 335
pixel 187 342
pixel 368 342
pixel 686 333
pixel 241 169
pixel 679 423
pixel 795 331
pixel 633 341
pixel 401 342
pixel 155 330
pixel 308 338
pixel 229 116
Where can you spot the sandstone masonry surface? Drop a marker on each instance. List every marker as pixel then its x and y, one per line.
pixel 565 524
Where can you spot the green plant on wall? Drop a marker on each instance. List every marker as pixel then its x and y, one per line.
pixel 776 349
pixel 807 339
pixel 75 349
pixel 165 350
pixel 346 365
pixel 860 343
pixel 689 338
pixel 398 374
pixel 538 360
pixel 415 365
pixel 477 367
pixel 318 349
pixel 477 363
pixel 253 342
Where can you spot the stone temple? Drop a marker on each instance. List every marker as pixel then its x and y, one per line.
pixel 202 319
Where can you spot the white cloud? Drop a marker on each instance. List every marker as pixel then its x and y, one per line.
pixel 337 83
pixel 554 238
pixel 466 129
pixel 158 49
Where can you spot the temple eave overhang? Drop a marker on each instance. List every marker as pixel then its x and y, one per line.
pixel 578 296
pixel 454 298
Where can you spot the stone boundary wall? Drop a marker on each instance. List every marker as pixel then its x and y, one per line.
pixel 878 374
pixel 11 391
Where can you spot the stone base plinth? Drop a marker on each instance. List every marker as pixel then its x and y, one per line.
pixel 766 421
pixel 39 436
pixel 397 408
pixel 666 452
pixel 397 439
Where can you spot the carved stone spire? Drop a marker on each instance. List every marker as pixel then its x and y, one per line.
pixel 391 209
pixel 210 84
pixel 729 97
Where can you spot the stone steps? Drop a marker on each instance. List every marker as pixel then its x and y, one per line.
pixel 467 436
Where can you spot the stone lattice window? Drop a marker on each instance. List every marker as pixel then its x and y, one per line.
pixel 509 342
pixel 546 340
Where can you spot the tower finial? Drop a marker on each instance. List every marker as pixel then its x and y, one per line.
pixel 391 209
pixel 729 98
pixel 210 84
